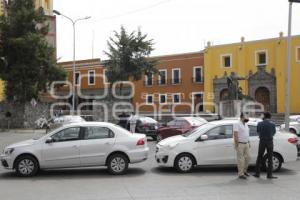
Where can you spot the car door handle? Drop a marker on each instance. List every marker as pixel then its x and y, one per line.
pixel 108 143
pixel 75 146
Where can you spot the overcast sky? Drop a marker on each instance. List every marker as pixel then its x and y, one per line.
pixel 177 26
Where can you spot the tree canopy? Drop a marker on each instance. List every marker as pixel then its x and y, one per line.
pixel 28 62
pixel 128 56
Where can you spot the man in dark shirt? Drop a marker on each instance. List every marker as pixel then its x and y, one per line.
pixel 266 130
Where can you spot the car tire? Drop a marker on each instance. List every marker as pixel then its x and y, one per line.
pixel 277 162
pixel 158 138
pixel 184 163
pixel 117 164
pixel 154 138
pixel 26 166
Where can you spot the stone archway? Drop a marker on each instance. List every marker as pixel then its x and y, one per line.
pixel 262 87
pixel 262 95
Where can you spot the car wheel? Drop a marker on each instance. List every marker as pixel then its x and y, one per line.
pixel 117 164
pixel 184 163
pixel 154 138
pixel 26 166
pixel 158 138
pixel 277 162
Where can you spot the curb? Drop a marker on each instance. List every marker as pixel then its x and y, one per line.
pixel 24 131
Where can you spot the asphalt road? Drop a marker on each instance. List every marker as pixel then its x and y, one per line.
pixel 145 181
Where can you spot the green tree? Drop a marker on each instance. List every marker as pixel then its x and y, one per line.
pixel 128 57
pixel 28 63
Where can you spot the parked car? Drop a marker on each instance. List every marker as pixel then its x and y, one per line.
pixel 212 144
pixel 179 126
pixel 85 144
pixel 63 120
pixel 145 125
pixel 294 124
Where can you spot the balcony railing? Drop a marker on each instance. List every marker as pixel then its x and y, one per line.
pixel 176 81
pixel 198 79
pixel 149 82
pixel 163 82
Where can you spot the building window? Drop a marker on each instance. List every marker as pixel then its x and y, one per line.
pixel 149 79
pixel 261 58
pixel 197 75
pixel 226 60
pixel 162 98
pixel 105 80
pixel 91 77
pixel 162 77
pixel 176 98
pixel 298 54
pixel 149 99
pixel 176 76
pixel 77 78
pixel 47 4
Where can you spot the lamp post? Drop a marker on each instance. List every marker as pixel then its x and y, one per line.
pixel 74 53
pixel 288 69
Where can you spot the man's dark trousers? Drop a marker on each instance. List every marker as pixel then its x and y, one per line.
pixel 265 145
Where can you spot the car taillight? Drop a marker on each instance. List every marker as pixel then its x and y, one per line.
pixel 293 140
pixel 141 142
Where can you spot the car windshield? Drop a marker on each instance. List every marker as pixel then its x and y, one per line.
pixel 201 128
pixel 147 120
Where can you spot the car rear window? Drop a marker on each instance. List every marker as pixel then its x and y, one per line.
pixel 97 132
pixel 147 120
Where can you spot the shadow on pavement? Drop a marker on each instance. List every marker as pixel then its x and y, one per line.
pixel 213 171
pixel 75 173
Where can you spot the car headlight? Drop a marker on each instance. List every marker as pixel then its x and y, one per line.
pixel 172 146
pixel 8 151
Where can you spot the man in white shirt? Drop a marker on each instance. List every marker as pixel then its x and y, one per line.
pixel 242 145
pixel 132 122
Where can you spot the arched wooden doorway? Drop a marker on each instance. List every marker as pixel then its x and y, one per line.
pixel 262 95
pixel 224 94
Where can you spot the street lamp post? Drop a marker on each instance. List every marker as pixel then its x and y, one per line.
pixel 74 53
pixel 288 69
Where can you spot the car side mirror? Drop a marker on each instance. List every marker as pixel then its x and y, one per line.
pixel 164 125
pixel 49 140
pixel 202 138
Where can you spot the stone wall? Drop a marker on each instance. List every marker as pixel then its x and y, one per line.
pixel 22 115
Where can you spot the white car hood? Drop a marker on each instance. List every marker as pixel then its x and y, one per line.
pixel 171 140
pixel 23 143
pixel 292 123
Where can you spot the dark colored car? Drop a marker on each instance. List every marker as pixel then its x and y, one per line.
pixel 179 126
pixel 145 125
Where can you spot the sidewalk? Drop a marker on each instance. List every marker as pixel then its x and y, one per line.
pixel 23 131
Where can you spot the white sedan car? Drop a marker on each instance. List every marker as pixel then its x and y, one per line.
pixel 64 120
pixel 84 144
pixel 212 144
pixel 294 124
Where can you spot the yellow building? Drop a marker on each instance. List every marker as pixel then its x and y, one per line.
pixel 47 5
pixel 262 63
pixel 2 6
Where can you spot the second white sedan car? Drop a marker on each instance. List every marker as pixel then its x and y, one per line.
pixel 294 125
pixel 84 144
pixel 212 144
